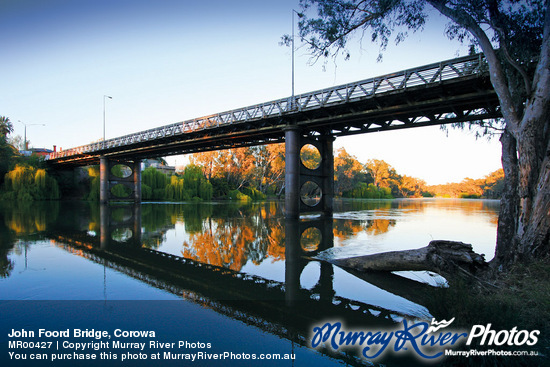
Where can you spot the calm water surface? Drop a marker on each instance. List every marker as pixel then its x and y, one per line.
pixel 238 267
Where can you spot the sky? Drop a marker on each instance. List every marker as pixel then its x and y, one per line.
pixel 172 60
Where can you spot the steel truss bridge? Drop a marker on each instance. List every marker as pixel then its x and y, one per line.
pixel 456 90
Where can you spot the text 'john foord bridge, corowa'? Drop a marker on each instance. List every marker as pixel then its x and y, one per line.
pixel 456 90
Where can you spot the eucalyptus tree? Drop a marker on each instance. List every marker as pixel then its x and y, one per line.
pixel 514 36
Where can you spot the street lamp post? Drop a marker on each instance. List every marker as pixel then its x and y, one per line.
pixel 292 100
pixel 26 144
pixel 104 96
pixel 292 43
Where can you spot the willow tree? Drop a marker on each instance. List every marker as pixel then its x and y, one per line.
pixel 514 36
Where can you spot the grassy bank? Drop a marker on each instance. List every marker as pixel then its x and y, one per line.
pixel 519 298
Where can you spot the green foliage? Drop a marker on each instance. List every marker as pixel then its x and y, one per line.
pixel 192 185
pixel 237 195
pixel 121 191
pixel 374 180
pixel 195 183
pixel 27 183
pixel 7 151
pixel 156 181
pixel 6 127
pixel 220 187
pixel 93 192
pixel 368 191
pixel 348 172
pixel 155 185
pixel 253 193
pixel 146 191
pixel 205 190
pixel 328 33
pixel 192 177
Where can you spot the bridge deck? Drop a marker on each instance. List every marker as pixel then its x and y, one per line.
pixel 456 90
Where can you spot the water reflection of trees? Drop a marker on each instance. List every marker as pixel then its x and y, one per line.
pixel 20 221
pixel 26 218
pixel 345 228
pixel 7 240
pixel 377 227
pixel 236 234
pixel 223 234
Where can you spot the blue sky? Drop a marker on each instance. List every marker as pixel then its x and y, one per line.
pixel 168 61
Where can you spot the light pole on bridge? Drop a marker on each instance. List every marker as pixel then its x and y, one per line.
pixel 104 96
pixel 292 43
pixel 292 100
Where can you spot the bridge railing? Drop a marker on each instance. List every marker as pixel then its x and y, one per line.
pixel 368 88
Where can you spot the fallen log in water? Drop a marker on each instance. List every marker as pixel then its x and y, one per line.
pixel 440 256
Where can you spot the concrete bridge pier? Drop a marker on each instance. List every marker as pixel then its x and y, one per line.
pixel 104 225
pixel 300 241
pixel 294 263
pixel 297 174
pixel 107 180
pixel 129 218
pixel 104 193
pixel 292 172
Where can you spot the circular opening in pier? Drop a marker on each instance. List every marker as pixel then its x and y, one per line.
pixel 121 191
pixel 121 234
pixel 121 171
pixel 311 239
pixel 310 156
pixel 311 193
pixel 310 276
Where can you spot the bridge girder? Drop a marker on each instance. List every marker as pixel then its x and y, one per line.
pixel 455 90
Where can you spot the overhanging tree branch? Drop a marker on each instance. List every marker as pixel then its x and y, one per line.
pixel 541 81
pixel 498 79
pixel 495 22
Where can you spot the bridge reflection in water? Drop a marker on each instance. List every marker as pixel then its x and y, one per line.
pixel 285 309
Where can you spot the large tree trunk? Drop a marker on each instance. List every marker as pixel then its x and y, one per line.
pixel 524 223
pixel 524 220
pixel 535 241
pixel 534 160
pixel 509 202
pixel 533 141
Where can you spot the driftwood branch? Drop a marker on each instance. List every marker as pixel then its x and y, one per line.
pixel 448 258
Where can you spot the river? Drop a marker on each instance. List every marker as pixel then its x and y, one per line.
pixel 234 276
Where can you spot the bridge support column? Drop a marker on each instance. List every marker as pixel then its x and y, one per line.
pixel 326 173
pixel 104 193
pixel 136 230
pixel 294 263
pixel 131 220
pixel 105 231
pixel 296 231
pixel 292 172
pixel 296 174
pixel 137 181
pixel 107 180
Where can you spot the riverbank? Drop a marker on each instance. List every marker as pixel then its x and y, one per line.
pixel 518 298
